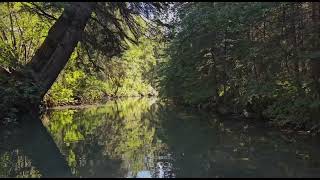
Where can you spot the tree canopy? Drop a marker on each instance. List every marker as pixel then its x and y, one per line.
pixel 260 57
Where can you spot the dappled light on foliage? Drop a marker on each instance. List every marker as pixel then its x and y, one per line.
pixel 159 89
pixel 253 56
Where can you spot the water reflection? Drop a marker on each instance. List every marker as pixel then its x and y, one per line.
pixel 27 150
pixel 115 140
pixel 145 138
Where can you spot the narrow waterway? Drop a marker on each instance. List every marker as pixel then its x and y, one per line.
pixel 146 138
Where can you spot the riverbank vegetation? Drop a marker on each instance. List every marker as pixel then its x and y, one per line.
pixel 261 60
pixel 124 76
pixel 110 53
pixel 259 57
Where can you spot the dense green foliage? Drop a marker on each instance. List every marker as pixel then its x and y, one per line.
pixel 127 75
pixel 227 57
pixel 258 56
pixel 89 76
pixel 22 33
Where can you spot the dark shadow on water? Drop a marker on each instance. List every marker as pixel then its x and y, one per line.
pixel 31 142
pixel 144 138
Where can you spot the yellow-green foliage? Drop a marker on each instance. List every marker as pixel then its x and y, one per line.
pixel 18 44
pixel 128 75
pixel 122 129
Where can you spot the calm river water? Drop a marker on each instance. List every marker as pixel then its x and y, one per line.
pixel 146 138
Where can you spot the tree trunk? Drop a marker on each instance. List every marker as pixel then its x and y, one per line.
pixel 55 51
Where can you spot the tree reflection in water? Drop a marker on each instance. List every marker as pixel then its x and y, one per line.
pixel 115 140
pixel 147 138
pixel 28 150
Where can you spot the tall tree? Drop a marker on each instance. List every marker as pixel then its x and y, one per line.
pixel 58 46
pixel 99 25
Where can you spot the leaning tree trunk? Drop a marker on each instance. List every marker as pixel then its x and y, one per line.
pixel 55 51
